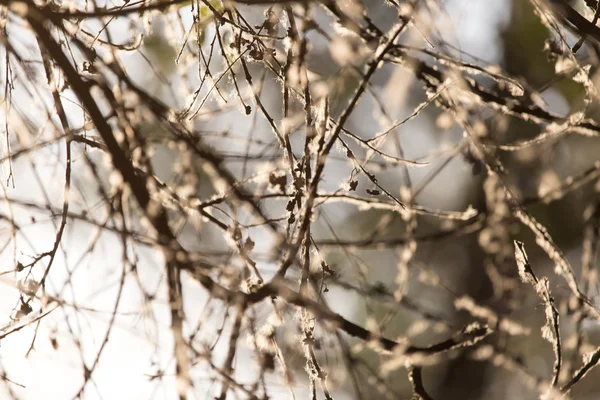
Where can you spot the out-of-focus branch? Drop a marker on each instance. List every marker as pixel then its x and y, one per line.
pixel 568 14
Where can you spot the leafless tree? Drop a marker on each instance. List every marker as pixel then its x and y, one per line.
pixel 241 187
